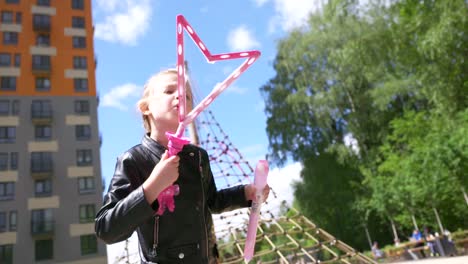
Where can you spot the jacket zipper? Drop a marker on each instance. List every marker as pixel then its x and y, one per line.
pixel 203 203
pixel 155 236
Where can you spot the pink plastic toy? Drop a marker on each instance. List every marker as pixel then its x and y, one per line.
pixel 260 181
pixel 177 141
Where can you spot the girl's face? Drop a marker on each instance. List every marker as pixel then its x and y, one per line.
pixel 163 102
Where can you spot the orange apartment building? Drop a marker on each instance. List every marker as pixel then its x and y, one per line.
pixel 50 174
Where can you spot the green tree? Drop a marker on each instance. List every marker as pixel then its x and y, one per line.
pixel 332 197
pixel 425 158
pixel 321 93
pixel 350 74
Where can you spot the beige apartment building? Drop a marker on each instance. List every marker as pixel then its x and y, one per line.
pixel 50 174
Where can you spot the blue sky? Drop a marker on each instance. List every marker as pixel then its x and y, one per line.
pixel 136 38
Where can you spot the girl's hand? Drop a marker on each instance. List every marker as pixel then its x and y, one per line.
pixel 250 192
pixel 164 174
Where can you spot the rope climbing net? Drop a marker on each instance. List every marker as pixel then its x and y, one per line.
pixel 284 235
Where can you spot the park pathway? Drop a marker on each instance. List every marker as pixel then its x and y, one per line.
pixel 448 260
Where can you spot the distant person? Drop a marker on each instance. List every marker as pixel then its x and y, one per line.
pixel 145 170
pixel 417 239
pixel 430 241
pixel 416 236
pixel 376 252
pixel 448 235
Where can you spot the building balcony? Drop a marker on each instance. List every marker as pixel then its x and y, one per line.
pixel 43 117
pixel 43 228
pixel 41 27
pixel 41 69
pixel 42 171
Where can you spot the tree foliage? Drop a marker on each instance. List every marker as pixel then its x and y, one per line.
pixel 393 79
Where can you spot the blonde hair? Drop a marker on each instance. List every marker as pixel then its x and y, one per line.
pixel 147 92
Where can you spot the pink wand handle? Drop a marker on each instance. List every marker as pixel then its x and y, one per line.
pixel 176 144
pixel 166 197
pixel 260 181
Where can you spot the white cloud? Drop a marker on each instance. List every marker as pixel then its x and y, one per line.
pixel 293 13
pixel 116 96
pixel 241 39
pixel 124 21
pixel 236 90
pixel 281 179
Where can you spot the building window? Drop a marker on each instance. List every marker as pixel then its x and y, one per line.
pixel 87 213
pixel 19 18
pixel 84 157
pixel 43 40
pixel 43 188
pixel 17 59
pixel 44 249
pixel 42 221
pixel 81 85
pixel 80 62
pixel 12 1
pixel 6 254
pixel 43 132
pixel 41 22
pixel 5 59
pixel 7 191
pixel 8 83
pixel 4 161
pixel 13 160
pixel 10 38
pixel 3 217
pixel 41 162
pixel 42 84
pixel 41 62
pixel 78 22
pixel 7 17
pixel 43 2
pixel 15 107
pixel 88 244
pixel 78 4
pixel 79 42
pixel 86 185
pixel 13 220
pixel 82 107
pixel 7 134
pixel 83 132
pixel 41 109
pixel 5 107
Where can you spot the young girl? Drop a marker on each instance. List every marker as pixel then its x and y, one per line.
pixel 141 173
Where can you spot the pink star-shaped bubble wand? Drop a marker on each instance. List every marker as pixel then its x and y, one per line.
pixel 177 141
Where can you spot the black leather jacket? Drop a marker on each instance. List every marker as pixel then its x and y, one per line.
pixel 183 236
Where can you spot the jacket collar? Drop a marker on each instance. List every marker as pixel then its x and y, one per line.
pixel 158 149
pixel 153 146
